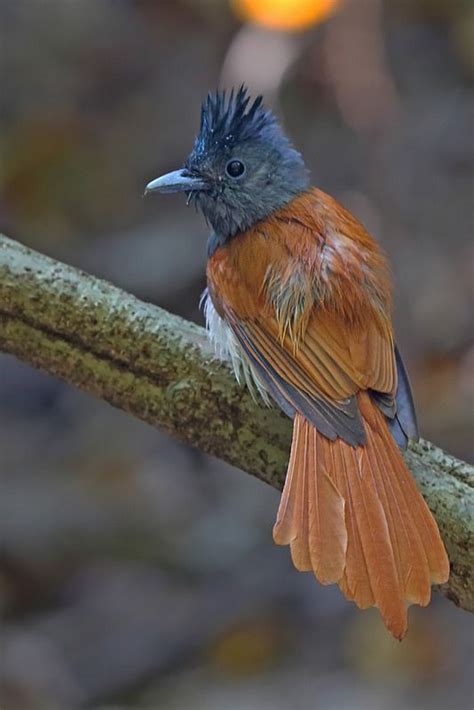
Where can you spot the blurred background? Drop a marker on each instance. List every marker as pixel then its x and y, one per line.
pixel 135 572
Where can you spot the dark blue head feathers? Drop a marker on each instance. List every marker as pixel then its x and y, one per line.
pixel 248 165
pixel 228 120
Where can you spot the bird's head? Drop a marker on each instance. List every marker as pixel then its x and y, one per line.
pixel 241 168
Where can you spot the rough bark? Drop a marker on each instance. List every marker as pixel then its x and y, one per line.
pixel 161 369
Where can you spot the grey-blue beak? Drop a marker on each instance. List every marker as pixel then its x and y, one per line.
pixel 177 181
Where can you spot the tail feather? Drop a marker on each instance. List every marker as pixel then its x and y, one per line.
pixel 419 517
pixel 328 535
pixel 376 543
pixel 422 519
pixel 311 513
pixel 355 583
pixel 353 515
pixel 299 546
pixel 286 526
pixel 410 554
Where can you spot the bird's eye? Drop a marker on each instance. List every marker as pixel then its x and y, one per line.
pixel 235 168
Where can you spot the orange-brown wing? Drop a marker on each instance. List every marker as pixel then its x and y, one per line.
pixel 337 358
pixel 320 377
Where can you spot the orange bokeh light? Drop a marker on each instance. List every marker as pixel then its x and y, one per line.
pixel 285 14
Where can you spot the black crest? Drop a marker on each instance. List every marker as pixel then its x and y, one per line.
pixel 227 120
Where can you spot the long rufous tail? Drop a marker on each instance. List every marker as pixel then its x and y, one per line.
pixel 354 516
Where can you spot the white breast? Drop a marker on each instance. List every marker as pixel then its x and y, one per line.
pixel 227 347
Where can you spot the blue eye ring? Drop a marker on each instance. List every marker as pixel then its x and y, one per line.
pixel 235 168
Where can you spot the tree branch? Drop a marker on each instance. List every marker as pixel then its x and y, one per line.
pixel 161 369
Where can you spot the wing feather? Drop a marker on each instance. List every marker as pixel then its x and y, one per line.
pixel 341 418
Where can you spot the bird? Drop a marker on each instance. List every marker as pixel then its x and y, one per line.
pixel 299 299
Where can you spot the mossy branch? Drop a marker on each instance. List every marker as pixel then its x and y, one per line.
pixel 161 369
